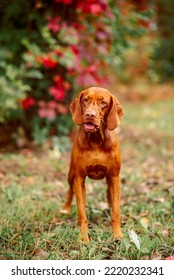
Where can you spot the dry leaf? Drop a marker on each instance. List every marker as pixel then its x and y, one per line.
pixel 30 180
pixel 103 205
pixel 39 254
pixel 59 183
pixel 55 153
pixel 156 256
pixel 146 257
pixel 165 232
pixel 144 222
pixel 160 199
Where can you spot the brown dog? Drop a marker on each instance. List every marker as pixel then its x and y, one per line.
pixel 95 153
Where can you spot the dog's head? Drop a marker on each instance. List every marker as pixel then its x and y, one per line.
pixel 96 106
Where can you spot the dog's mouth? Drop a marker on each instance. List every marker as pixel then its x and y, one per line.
pixel 90 127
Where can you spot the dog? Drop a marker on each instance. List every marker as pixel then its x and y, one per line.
pixel 95 153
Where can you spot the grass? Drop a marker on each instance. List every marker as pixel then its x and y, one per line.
pixel 33 188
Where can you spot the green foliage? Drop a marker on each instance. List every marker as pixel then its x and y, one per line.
pixel 40 131
pixel 163 54
pixel 126 27
pixel 12 88
pixel 64 123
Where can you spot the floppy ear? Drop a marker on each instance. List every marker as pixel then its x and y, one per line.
pixel 115 114
pixel 76 111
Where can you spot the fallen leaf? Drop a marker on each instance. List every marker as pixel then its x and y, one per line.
pixel 134 238
pixel 59 183
pixel 30 180
pixel 143 214
pixel 39 254
pixel 165 232
pixel 144 222
pixel 146 257
pixel 160 199
pixel 103 205
pixel 54 153
pixel 156 256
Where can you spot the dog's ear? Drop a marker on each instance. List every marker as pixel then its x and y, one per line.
pixel 76 110
pixel 115 114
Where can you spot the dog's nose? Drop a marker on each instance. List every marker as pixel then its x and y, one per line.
pixel 90 114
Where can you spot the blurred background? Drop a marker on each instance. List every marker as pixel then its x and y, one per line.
pixel 50 50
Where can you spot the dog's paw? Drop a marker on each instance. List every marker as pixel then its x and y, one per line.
pixel 84 238
pixel 117 235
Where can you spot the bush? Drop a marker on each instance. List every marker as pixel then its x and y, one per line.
pixel 50 51
pixel 163 55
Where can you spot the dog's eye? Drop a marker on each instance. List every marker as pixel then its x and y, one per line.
pixel 103 103
pixel 85 100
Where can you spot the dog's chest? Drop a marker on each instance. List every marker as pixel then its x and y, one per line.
pixel 97 166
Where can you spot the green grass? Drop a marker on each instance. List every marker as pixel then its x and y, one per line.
pixel 33 188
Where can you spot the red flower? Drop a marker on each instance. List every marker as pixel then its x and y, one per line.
pixel 51 109
pixel 66 85
pixel 74 49
pixel 61 109
pixel 91 7
pixel 58 80
pixel 60 88
pixel 28 102
pixel 64 1
pixel 78 26
pixel 96 9
pixel 58 92
pixel 47 110
pixel 53 24
pixel 48 61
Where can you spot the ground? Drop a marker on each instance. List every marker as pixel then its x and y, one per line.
pixel 33 188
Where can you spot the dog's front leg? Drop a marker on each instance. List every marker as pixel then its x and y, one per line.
pixel 79 190
pixel 115 192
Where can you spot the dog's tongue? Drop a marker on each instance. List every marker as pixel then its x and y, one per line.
pixel 89 126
